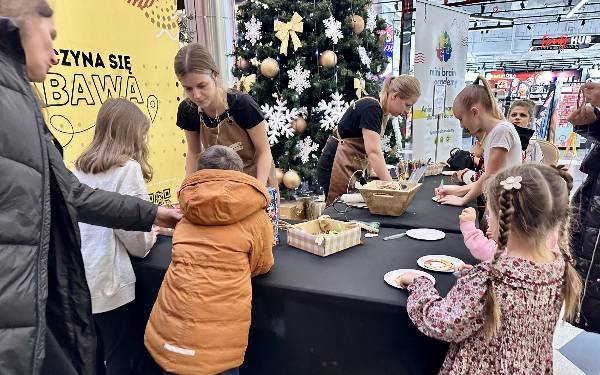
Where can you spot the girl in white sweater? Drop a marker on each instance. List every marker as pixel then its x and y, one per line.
pixel 116 160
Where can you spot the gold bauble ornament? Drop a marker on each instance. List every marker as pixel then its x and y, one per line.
pixel 291 179
pixel 328 59
pixel 269 68
pixel 299 125
pixel 358 24
pixel 279 175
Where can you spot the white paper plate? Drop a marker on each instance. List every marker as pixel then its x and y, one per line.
pixel 435 198
pixel 391 276
pixel 448 173
pixel 439 263
pixel 426 234
pixel 352 198
pixel 357 205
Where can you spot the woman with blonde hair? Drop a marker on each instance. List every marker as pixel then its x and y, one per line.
pixel 116 160
pixel 356 141
pixel 212 115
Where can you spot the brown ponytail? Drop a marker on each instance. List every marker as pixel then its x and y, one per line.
pixel 406 86
pixel 480 93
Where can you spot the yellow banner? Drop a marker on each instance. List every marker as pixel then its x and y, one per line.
pixel 118 48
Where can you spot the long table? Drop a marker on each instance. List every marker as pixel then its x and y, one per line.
pixel 332 315
pixel 422 212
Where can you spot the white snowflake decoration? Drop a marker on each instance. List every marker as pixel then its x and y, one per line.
pixel 253 32
pixel 279 118
pixel 254 61
pixel 371 19
pixel 364 57
pixel 386 141
pixel 299 78
pixel 331 112
pixel 333 29
pixel 306 148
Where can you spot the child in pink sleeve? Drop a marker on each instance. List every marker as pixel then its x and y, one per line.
pixel 483 248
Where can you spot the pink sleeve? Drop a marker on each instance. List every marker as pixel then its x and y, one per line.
pixel 481 247
pixel 455 317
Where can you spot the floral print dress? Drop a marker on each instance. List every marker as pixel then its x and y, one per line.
pixel 530 298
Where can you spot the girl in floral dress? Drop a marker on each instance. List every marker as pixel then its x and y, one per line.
pixel 500 316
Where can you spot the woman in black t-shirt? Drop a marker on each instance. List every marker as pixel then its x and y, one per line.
pixel 212 115
pixel 357 139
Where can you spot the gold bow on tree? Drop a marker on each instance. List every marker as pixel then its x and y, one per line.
pixel 286 30
pixel 359 85
pixel 246 82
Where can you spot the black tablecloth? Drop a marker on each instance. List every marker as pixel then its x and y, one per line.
pixel 332 315
pixel 423 212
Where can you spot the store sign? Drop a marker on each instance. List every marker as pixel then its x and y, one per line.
pixel 441 44
pixel 564 42
pixel 118 48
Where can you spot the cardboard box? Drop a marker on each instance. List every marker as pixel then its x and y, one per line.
pixel 292 210
pixel 312 236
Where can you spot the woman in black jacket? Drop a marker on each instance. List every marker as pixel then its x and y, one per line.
pixel 45 308
pixel 585 233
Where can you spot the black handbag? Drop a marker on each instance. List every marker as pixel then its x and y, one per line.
pixel 460 159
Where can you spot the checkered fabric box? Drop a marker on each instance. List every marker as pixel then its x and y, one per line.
pixel 307 236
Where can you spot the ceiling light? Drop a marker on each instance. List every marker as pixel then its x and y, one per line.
pixel 522 5
pixel 528 27
pixel 486 18
pixel 576 8
pixel 583 23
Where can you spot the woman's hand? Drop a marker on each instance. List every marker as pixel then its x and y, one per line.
pixel 591 93
pixel 582 116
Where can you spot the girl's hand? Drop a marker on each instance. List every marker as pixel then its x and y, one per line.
pixel 467 215
pixel 452 200
pixel 407 278
pixel 462 270
pixel 447 190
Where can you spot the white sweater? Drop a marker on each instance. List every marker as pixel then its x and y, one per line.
pixel 106 251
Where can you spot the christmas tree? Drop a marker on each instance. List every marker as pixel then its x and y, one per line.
pixel 304 62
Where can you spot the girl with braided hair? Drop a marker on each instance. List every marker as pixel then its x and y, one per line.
pixel 500 316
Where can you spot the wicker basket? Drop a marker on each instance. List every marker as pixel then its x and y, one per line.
pixel 434 169
pixel 388 202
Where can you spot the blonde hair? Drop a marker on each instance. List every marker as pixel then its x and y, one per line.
pixel 539 207
pixel 528 104
pixel 406 86
pixel 120 135
pixel 481 95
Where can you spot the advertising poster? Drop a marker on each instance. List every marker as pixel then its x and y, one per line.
pixel 441 45
pixel 118 48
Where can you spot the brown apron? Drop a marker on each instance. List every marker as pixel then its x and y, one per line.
pixel 350 158
pixel 229 133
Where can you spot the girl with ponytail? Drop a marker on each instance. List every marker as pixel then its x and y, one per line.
pixel 356 141
pixel 476 109
pixel 500 316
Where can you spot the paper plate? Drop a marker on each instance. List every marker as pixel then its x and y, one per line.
pixel 439 263
pixel 352 198
pixel 448 173
pixel 435 198
pixel 426 234
pixel 391 276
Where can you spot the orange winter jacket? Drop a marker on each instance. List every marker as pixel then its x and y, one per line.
pixel 200 321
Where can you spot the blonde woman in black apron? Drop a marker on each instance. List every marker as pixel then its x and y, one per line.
pixel 212 115
pixel 356 142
